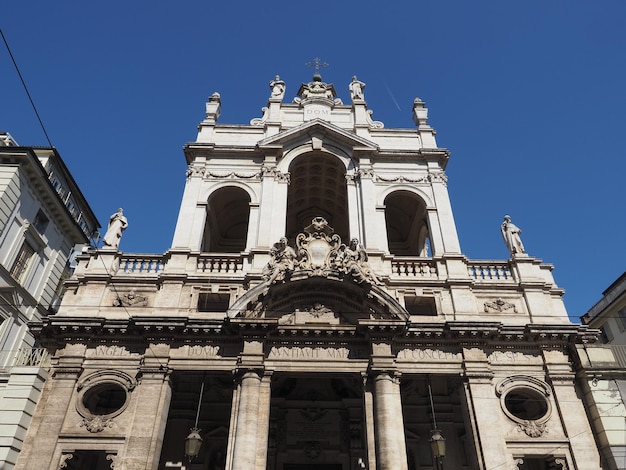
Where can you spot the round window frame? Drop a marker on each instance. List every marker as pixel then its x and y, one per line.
pixel 101 379
pixel 524 385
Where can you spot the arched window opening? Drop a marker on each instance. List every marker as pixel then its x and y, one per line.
pixel 407 225
pixel 226 227
pixel 317 188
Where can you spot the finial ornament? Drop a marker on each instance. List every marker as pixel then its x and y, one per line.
pixel 317 63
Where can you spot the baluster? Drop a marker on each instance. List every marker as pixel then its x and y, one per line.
pixel 405 268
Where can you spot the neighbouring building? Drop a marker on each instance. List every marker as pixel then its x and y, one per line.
pixel 314 312
pixel 603 374
pixel 43 215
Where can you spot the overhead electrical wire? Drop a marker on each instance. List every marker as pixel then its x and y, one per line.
pixel 17 69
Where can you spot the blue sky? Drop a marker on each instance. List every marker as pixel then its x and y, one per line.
pixel 528 97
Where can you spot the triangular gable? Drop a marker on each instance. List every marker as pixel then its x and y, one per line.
pixel 326 131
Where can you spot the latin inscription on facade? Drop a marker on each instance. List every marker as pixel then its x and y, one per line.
pixel 196 351
pixel 429 355
pixel 313 111
pixel 511 357
pixel 110 351
pixel 318 353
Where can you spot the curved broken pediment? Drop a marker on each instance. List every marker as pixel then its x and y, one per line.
pixel 318 300
pixel 321 281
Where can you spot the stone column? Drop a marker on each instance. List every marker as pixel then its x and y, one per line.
pixel 145 439
pixel 263 429
pixel 485 415
pixel 247 427
pixel 572 412
pixel 389 428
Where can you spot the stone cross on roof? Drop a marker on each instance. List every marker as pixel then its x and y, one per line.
pixel 317 63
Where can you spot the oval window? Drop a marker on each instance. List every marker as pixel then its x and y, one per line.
pixel 526 404
pixel 104 399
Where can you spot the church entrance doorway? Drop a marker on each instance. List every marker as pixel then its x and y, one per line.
pixel 316 423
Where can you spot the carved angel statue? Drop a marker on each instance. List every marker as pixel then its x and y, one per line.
pixel 283 260
pixel 278 87
pixel 511 234
pixel 356 89
pixel 353 260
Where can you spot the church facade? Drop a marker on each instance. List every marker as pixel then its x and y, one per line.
pixel 314 312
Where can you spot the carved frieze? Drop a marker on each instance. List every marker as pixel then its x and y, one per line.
pixel 275 173
pixel 194 171
pixel 401 179
pixel 438 177
pixel 232 175
pixel 499 305
pixel 131 299
pixel 96 424
pixel 532 428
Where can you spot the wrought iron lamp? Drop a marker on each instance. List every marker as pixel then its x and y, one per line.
pixel 193 442
pixel 437 441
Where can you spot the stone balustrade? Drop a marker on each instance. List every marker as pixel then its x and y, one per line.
pixel 229 264
pixel 490 271
pixel 140 264
pixel 220 264
pixel 413 267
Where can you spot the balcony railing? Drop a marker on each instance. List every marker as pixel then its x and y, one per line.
pixel 141 264
pixel 229 264
pixel 490 271
pixel 220 264
pixel 25 357
pixel 413 267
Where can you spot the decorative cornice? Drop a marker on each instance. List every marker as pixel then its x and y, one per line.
pixel 55 331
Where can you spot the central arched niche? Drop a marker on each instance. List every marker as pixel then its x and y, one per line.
pixel 226 228
pixel 318 300
pixel 317 188
pixel 407 225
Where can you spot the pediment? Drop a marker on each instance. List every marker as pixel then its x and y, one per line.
pixel 319 133
pixel 321 282
pixel 318 301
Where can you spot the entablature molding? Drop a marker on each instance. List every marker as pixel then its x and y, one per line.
pixel 54 332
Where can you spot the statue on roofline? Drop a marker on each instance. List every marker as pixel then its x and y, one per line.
pixel 117 224
pixel 511 234
pixel 356 89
